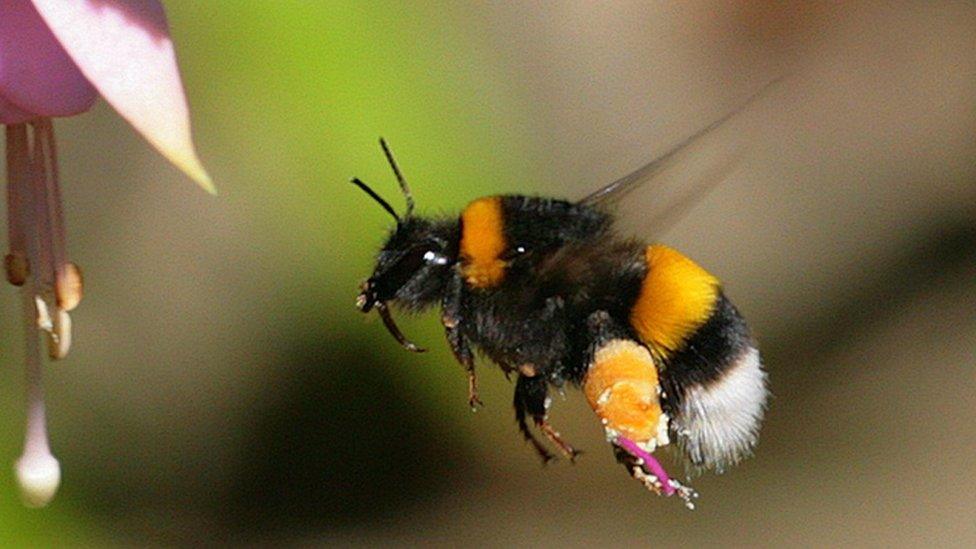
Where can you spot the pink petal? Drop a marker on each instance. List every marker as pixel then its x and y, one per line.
pixel 11 114
pixel 124 48
pixel 37 78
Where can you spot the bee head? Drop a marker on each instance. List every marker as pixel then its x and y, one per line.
pixel 414 264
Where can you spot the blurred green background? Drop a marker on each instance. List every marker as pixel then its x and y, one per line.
pixel 223 388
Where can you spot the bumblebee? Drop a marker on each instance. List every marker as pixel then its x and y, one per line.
pixel 548 290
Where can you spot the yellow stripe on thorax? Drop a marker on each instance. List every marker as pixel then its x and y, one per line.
pixel 676 298
pixel 622 388
pixel 483 242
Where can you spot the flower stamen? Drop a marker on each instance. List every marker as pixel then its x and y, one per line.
pixel 18 181
pixel 57 328
pixel 35 197
pixel 67 275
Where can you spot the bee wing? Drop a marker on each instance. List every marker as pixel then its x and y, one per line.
pixel 683 175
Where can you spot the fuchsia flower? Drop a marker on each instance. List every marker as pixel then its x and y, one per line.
pixel 56 58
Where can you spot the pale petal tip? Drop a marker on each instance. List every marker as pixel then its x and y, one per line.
pixel 202 178
pixel 191 166
pixel 38 476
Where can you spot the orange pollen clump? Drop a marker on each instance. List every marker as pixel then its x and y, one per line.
pixel 622 388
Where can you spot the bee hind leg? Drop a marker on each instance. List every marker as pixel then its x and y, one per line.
pixel 644 468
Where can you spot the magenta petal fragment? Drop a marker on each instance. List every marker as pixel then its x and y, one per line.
pixel 124 48
pixel 10 114
pixel 650 462
pixel 37 77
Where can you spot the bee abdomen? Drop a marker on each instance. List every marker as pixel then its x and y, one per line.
pixel 711 372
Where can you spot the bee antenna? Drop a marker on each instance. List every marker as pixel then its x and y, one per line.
pixel 399 175
pixel 386 205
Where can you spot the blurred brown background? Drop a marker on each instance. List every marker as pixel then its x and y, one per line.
pixel 222 386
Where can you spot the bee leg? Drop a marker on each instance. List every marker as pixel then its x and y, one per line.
pixel 635 469
pixel 649 472
pixel 460 346
pixel 473 400
pixel 520 410
pixel 462 352
pixel 532 393
pixel 507 370
pixel 553 435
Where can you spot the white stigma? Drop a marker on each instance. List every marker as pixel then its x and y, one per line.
pixel 38 476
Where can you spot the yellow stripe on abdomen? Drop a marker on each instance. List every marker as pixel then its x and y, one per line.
pixel 483 242
pixel 676 298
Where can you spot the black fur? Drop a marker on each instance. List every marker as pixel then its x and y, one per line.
pixel 707 354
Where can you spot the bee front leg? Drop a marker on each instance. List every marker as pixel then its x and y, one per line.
pixel 451 318
pixel 462 352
